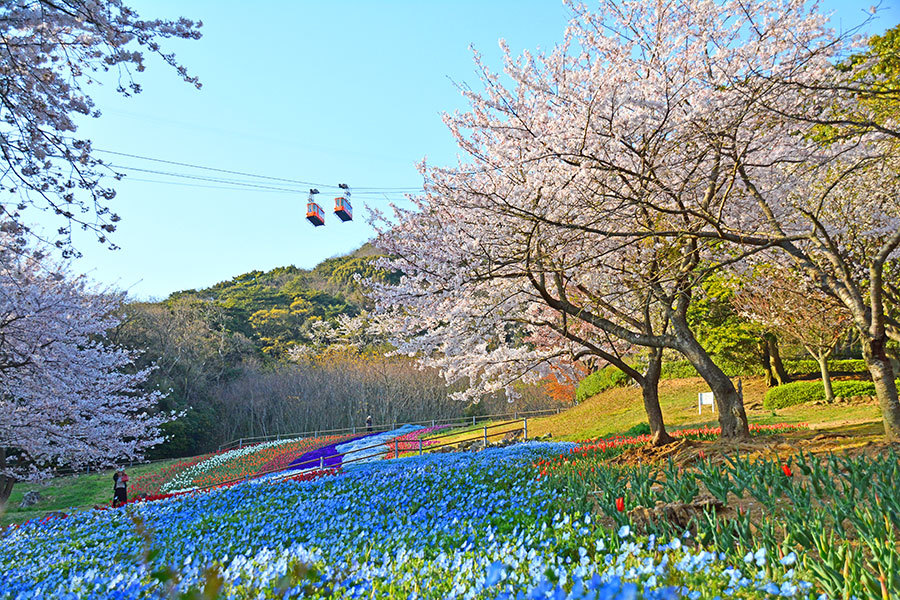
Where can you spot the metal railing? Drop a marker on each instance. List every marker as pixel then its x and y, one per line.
pixel 483 436
pixel 461 421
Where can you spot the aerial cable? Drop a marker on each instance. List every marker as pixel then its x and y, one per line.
pixel 226 182
pixel 210 179
pixel 246 174
pixel 265 190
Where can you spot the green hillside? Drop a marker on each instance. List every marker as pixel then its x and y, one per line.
pixel 275 309
pixel 201 341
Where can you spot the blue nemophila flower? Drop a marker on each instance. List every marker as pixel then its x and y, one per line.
pixel 760 557
pixel 443 526
pixel 788 559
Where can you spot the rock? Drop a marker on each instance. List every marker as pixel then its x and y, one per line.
pixel 678 514
pixel 512 435
pixel 30 499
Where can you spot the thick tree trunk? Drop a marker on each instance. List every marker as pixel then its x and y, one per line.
pixel 767 362
pixel 6 483
pixel 826 376
pixel 775 359
pixel 885 387
pixel 650 392
pixel 729 403
pixel 6 486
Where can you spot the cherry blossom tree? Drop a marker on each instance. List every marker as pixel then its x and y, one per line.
pixel 809 317
pixel 51 51
pixel 644 127
pixel 493 296
pixel 67 396
pixel 802 164
pixel 717 120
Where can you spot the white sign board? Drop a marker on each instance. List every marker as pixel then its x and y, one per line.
pixel 707 399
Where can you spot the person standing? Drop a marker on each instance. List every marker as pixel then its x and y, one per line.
pixel 120 488
pixel 369 423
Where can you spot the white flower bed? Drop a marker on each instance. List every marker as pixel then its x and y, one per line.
pixel 184 480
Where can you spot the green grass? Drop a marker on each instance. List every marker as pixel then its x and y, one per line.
pixel 64 493
pixel 619 409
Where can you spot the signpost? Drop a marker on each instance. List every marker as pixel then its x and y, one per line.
pixel 705 399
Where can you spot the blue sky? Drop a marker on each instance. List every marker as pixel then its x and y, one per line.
pixel 326 92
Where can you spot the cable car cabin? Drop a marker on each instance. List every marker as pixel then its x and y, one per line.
pixel 315 214
pixel 343 209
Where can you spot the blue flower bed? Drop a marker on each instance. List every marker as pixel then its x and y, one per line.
pixel 442 526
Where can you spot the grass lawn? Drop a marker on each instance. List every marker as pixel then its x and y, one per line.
pixel 63 493
pixel 619 409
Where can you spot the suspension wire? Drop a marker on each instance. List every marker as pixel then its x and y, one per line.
pixel 241 173
pixel 366 197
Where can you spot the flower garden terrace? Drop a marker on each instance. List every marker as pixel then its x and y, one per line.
pixel 485 525
pixel 835 515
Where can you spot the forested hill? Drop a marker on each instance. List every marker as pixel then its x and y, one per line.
pixel 206 344
pixel 276 308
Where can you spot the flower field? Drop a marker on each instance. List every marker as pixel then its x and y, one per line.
pixel 444 526
pixel 840 515
pixel 534 520
pixel 151 483
pixel 244 462
pixel 409 442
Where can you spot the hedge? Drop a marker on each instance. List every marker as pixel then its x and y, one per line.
pixel 600 381
pixel 682 369
pixel 809 366
pixel 802 392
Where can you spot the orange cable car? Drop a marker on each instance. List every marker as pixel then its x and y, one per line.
pixel 342 207
pixel 314 212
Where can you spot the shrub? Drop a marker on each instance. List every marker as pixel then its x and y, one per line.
pixel 809 366
pixel 639 429
pixel 682 369
pixel 790 394
pixel 801 392
pixel 678 369
pixel 600 381
pixel 847 389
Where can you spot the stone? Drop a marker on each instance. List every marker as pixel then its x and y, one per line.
pixel 512 435
pixel 678 514
pixel 30 499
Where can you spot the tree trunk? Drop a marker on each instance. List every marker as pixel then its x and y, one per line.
pixel 650 393
pixel 767 362
pixel 822 359
pixel 729 403
pixel 6 483
pixel 775 359
pixel 885 387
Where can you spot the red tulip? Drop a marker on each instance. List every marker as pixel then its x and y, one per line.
pixel 620 504
pixel 702 455
pixel 787 470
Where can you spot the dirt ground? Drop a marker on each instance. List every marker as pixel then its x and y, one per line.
pixel 853 437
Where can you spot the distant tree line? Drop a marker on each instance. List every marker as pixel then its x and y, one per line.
pixel 257 355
